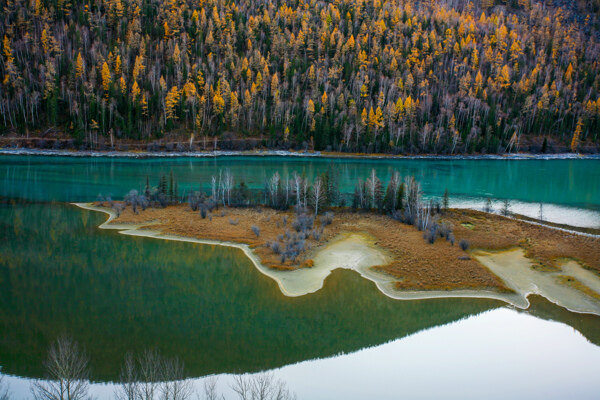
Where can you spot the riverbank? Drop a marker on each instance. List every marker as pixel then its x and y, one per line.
pixel 288 153
pixel 394 255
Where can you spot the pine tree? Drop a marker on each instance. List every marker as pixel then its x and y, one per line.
pixel 576 135
pixel 162 185
pixel 170 103
pixel 446 200
pixel 106 78
pixel 147 187
pixel 79 66
pixel 171 186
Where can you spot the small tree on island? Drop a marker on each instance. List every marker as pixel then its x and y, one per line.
pixel 506 207
pixel 446 200
pixel 317 195
pixel 488 205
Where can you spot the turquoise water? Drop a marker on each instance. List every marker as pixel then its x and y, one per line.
pixel 571 183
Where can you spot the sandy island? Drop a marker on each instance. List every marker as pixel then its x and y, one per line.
pixel 510 258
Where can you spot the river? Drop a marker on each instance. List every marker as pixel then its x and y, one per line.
pixel 208 305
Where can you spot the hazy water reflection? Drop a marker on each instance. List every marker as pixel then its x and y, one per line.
pixel 499 354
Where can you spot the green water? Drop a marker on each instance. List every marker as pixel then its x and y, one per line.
pixel 207 304
pixel 574 183
pixel 60 274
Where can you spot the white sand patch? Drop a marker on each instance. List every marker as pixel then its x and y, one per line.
pixel 351 251
pixel 518 273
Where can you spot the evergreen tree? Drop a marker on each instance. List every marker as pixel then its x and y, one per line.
pixel 162 185
pixel 446 200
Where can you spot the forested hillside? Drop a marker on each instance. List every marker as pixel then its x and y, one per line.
pixel 348 75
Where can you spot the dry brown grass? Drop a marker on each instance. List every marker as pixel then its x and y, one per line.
pixel 417 265
pixel 180 220
pixel 544 245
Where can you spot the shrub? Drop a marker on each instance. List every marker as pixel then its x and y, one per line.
pixel 203 212
pixel 162 200
pixel 233 221
pixel 445 230
pixel 430 236
pixel 450 238
pixel 256 230
pixel 316 235
pixel 223 214
pixel 276 247
pixel 326 219
pixel 464 245
pixel 303 222
pixel 195 200
pixel 284 220
pixel 118 208
pixel 432 232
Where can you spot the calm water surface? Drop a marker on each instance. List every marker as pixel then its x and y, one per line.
pixel 572 183
pixel 60 274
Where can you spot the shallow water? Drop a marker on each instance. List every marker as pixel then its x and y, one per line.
pixel 521 275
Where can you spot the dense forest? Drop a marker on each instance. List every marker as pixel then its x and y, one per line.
pixel 346 75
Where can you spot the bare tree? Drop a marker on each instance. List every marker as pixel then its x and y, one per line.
pixel 4 393
pixel 242 387
pixel 129 388
pixel 228 186
pixel 317 195
pixel 67 368
pixel 261 387
pixel 173 384
pixel 213 188
pixel 149 374
pixel 297 187
pixel 412 199
pixel 304 191
pixel 288 188
pixel 274 188
pixel 394 188
pixel 373 185
pixel 210 389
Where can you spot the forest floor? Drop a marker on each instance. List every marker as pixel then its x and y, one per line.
pixel 414 264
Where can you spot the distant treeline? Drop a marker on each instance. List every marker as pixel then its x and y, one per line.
pixel 403 76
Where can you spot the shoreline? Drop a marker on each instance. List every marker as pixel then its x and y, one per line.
pixel 518 297
pixel 299 154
